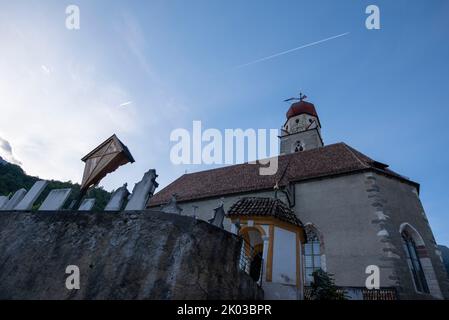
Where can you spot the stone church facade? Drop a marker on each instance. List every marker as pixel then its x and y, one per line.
pixel 350 212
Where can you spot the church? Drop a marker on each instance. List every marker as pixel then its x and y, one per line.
pixel 328 207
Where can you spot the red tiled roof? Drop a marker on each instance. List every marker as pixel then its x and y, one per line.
pixel 320 162
pixel 262 207
pixel 301 107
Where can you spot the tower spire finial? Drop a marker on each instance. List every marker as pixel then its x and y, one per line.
pixel 301 98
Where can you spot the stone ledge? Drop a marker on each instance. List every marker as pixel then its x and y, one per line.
pixel 120 255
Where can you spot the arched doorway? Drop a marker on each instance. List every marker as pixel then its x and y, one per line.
pixel 253 251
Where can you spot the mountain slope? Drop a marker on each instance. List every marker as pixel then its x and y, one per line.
pixel 2 162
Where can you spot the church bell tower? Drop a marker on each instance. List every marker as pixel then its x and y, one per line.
pixel 302 129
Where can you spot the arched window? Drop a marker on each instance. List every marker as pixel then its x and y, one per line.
pixel 312 253
pixel 299 146
pixel 414 263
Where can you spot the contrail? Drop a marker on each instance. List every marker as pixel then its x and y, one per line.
pixel 124 104
pixel 291 50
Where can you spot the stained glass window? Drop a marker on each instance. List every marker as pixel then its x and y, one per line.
pixel 312 255
pixel 414 263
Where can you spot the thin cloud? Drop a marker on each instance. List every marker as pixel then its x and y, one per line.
pixel 6 152
pixel 79 104
pixel 45 69
pixel 291 50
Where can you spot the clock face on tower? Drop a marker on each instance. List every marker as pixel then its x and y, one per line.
pixel 297 124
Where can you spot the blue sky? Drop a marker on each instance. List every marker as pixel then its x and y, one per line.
pixel 384 92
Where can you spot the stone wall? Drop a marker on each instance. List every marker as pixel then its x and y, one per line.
pixel 400 203
pixel 132 255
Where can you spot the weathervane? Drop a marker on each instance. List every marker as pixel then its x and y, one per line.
pixel 301 98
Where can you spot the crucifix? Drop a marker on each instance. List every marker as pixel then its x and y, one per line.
pixel 104 159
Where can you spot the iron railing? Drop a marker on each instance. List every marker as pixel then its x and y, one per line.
pixel 251 262
pixel 387 293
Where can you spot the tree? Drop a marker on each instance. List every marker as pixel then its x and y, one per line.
pixel 324 288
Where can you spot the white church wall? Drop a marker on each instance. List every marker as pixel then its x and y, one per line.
pixel 359 216
pixel 205 210
pixel 340 208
